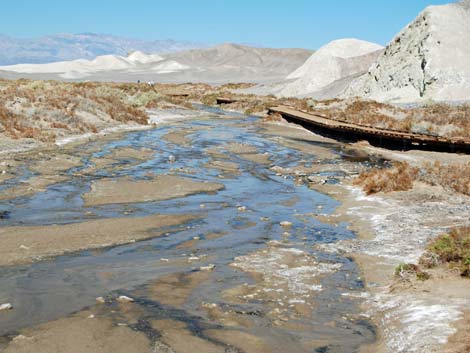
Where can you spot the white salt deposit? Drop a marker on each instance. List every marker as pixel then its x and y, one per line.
pixel 413 325
pixel 287 267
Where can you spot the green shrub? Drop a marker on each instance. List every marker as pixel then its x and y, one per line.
pixel 453 248
pixel 407 271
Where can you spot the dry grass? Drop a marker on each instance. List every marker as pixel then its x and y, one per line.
pixel 240 85
pixel 45 110
pixel 433 119
pixel 250 104
pixel 56 107
pixel 210 99
pixel 400 177
pixel 455 177
pixel 455 120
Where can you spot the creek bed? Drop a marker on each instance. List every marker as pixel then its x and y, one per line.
pixel 241 221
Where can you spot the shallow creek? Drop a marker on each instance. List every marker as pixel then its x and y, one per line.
pixel 234 269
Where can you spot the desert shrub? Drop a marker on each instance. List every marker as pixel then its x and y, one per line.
pixel 274 118
pixel 453 248
pixel 429 260
pixel 406 272
pixel 257 107
pixel 143 99
pixel 59 125
pixel 34 109
pixel 399 177
pixel 331 101
pixel 240 85
pixel 430 119
pixel 108 92
pixel 453 177
pixel 209 99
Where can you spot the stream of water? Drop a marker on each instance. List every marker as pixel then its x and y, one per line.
pixel 55 288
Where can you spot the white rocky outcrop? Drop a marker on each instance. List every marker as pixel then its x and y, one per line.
pixel 427 60
pixel 335 62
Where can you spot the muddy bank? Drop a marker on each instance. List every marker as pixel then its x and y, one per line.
pixel 45 167
pixel 248 152
pixel 21 245
pixel 162 187
pixel 83 333
pixel 460 341
pixel 175 289
pixel 395 228
pixel 420 317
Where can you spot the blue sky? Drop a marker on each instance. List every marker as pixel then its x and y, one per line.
pixel 275 23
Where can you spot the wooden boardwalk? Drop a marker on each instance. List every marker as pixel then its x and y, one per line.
pixel 222 100
pixel 376 136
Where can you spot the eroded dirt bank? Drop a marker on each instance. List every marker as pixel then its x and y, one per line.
pixel 21 245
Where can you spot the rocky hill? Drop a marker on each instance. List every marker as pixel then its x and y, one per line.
pixel 427 60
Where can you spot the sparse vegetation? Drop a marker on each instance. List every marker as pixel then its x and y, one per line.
pixel 240 85
pixel 46 110
pixel 406 272
pixel 251 104
pixel 452 248
pixel 209 99
pixel 400 177
pixel 455 177
pixel 432 119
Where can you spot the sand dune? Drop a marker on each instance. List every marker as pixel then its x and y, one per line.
pixel 220 64
pixel 81 68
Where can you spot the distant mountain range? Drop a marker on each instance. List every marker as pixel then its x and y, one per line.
pixel 220 64
pixel 63 47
